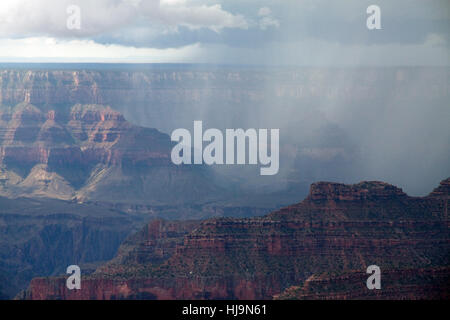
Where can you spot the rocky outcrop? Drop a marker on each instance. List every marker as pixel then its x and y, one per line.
pixel 92 133
pixel 93 154
pixel 319 248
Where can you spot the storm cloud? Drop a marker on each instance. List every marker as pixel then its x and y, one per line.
pixel 307 32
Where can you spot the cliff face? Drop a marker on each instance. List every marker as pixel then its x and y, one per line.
pixel 319 248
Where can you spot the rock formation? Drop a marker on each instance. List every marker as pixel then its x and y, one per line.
pixel 317 249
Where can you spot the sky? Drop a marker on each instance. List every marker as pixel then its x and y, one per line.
pixel 264 32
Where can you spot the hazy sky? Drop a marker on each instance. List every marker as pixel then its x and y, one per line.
pixel 267 32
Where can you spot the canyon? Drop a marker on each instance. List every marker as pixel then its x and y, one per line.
pixel 85 163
